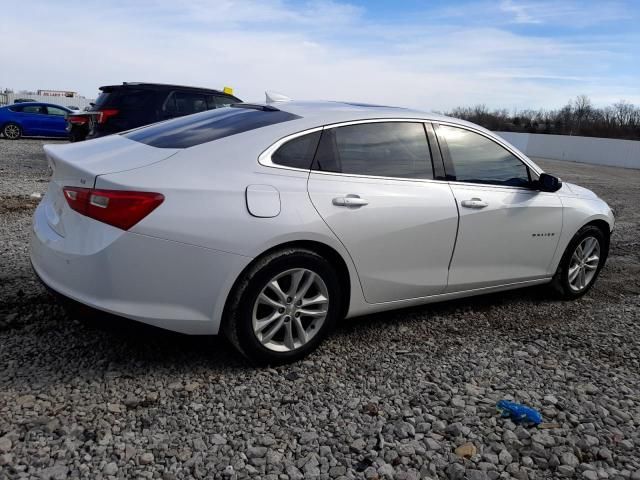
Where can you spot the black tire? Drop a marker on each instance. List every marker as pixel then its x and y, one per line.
pixel 77 134
pixel 237 322
pixel 12 131
pixel 560 283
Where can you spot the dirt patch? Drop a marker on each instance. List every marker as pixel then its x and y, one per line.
pixel 12 204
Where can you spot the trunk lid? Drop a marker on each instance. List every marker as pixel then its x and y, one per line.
pixel 79 164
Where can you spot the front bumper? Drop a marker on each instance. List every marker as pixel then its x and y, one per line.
pixel 163 283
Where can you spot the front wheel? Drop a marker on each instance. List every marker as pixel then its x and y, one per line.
pixel 581 263
pixel 12 131
pixel 283 306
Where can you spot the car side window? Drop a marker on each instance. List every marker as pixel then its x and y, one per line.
pixel 297 153
pixel 56 111
pixel 134 99
pixel 33 109
pixel 219 101
pixel 478 159
pixel 383 149
pixel 222 101
pixel 187 103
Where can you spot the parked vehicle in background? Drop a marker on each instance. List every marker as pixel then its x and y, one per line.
pixel 23 100
pixel 74 108
pixel 33 119
pixel 271 222
pixel 131 105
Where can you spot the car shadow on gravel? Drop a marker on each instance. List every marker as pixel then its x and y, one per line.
pixel 102 343
pixel 156 345
pixel 479 304
pixel 59 344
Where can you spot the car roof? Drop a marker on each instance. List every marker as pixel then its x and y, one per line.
pixel 160 86
pixel 22 104
pixel 316 113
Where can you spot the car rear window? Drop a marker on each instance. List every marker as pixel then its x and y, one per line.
pixel 206 126
pixel 125 98
pixel 102 99
pixel 381 149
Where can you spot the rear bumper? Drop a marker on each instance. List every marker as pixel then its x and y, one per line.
pixel 163 283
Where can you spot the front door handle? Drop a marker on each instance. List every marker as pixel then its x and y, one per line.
pixel 350 200
pixel 474 203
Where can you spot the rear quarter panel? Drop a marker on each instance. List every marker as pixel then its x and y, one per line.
pixel 205 203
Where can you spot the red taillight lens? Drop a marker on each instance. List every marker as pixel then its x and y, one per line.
pixel 119 208
pixel 77 119
pixel 103 115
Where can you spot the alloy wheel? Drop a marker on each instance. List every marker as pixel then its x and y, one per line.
pixel 12 132
pixel 290 310
pixel 584 264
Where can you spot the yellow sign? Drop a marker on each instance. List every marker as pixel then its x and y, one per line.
pixel 228 90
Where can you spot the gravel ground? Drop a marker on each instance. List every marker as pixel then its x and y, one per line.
pixel 407 394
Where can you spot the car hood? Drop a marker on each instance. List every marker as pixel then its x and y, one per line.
pixel 577 190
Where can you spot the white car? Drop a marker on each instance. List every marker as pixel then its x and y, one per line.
pixel 271 222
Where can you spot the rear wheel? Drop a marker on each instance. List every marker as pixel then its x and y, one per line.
pixel 12 131
pixel 283 307
pixel 581 263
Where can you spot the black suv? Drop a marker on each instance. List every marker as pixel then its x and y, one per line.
pixel 131 105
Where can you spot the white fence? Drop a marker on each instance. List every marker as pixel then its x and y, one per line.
pixel 598 151
pixel 79 102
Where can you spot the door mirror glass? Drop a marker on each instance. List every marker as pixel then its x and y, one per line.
pixel 549 183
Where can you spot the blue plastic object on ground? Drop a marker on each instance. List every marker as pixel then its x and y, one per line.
pixel 519 413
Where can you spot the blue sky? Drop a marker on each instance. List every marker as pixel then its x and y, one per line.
pixel 427 54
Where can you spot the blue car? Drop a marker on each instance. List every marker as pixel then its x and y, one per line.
pixel 33 119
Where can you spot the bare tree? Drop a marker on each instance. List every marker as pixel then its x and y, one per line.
pixel 577 117
pixel 623 112
pixel 581 109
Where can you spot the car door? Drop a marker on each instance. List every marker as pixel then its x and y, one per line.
pixel 373 184
pixel 508 230
pixel 32 118
pixel 55 122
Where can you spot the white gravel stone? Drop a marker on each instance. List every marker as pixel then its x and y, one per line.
pixel 110 468
pixel 5 444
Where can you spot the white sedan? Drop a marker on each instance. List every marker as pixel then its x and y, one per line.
pixel 271 222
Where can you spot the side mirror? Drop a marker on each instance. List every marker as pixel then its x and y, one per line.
pixel 549 183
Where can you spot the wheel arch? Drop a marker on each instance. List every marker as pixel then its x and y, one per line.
pixel 326 251
pixel 603 226
pixel 5 122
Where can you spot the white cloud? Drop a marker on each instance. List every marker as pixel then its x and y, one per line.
pixel 521 12
pixel 319 50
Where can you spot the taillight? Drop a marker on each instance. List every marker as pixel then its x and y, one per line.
pixel 77 119
pixel 119 208
pixel 106 113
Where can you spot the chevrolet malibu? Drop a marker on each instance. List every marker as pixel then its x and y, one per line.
pixel 271 222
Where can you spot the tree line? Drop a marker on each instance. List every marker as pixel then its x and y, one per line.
pixel 577 117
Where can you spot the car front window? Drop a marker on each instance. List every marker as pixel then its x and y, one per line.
pixel 477 159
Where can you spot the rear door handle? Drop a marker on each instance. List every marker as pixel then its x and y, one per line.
pixel 474 203
pixel 350 200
